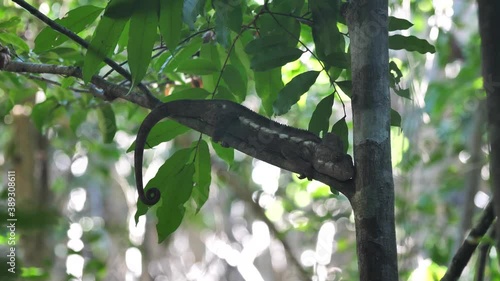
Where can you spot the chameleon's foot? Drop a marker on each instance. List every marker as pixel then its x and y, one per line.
pixel 303 176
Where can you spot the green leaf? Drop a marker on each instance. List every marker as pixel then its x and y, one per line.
pixel 322 191
pixel 103 42
pixel 198 66
pixel 177 179
pixel 242 66
pixel 107 122
pixel 321 115
pixel 165 131
pixel 239 58
pixel 338 59
pixel 19 45
pixel 235 81
pixel 264 43
pixel 346 87
pixel 228 16
pixel 66 82
pixel 230 12
pixel 191 10
pixel 327 37
pixel 395 72
pixel 274 57
pixel 222 31
pixel 291 93
pixel 395 118
pixel 19 94
pixel 162 132
pixel 183 54
pixel 225 153
pixel 142 36
pixel 121 9
pixel 404 93
pixel 32 273
pixel 334 72
pixel 293 7
pixel 341 130
pixel 76 119
pixel 190 93
pixel 269 25
pixel 43 111
pixel 171 212
pixel 13 21
pixel 123 40
pixel 75 20
pixel 214 53
pixel 171 22
pixel 202 176
pixel 398 24
pixel 267 86
pixel 410 43
pixel 162 179
pixel 142 209
pixel 223 93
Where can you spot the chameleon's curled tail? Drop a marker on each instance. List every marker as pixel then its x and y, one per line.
pixel 152 195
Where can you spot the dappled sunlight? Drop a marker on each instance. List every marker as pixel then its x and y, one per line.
pixel 62 160
pixel 77 199
pixel 122 166
pixel 133 260
pixel 136 231
pixel 79 165
pixel 481 199
pixel 325 244
pixel 266 175
pixel 70 117
pixel 74 265
pixel 252 246
pixel 74 233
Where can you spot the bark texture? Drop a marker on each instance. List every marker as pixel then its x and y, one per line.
pixel 489 23
pixel 373 201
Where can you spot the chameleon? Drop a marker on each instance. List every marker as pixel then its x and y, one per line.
pixel 234 125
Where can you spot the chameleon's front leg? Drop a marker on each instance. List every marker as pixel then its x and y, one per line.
pixel 300 156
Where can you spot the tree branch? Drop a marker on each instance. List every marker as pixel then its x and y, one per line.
pixel 482 259
pixel 465 251
pixel 110 90
pixel 79 40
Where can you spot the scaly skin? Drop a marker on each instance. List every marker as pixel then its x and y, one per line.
pixel 236 126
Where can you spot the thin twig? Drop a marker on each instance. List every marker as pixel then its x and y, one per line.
pixel 243 29
pixel 48 81
pixel 313 54
pixel 110 90
pixel 465 251
pixel 482 259
pixel 80 41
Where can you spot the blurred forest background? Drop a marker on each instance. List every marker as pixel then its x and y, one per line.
pixel 76 197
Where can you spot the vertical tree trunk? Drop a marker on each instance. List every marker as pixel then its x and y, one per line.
pixel 489 21
pixel 373 201
pixel 473 172
pixel 32 188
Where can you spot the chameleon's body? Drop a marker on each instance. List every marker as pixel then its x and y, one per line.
pixel 236 126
